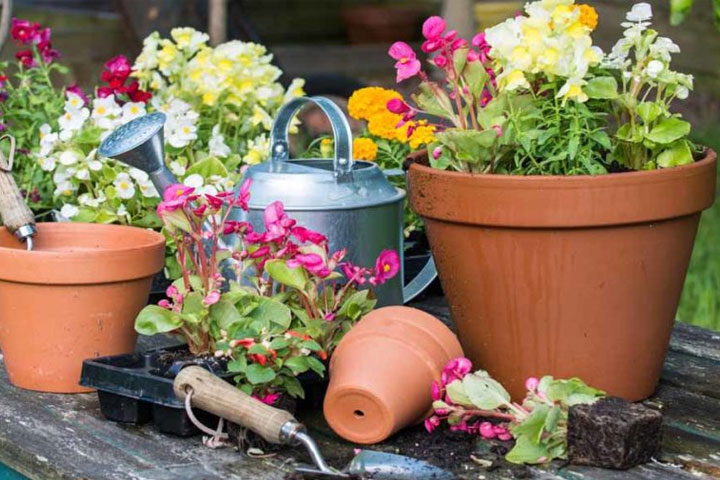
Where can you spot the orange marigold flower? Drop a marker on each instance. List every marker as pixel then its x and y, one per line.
pixel 370 101
pixel 384 125
pixel 423 134
pixel 364 149
pixel 588 15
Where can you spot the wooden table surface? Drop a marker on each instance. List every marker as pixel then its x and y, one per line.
pixel 47 436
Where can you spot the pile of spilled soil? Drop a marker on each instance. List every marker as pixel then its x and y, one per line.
pixel 466 456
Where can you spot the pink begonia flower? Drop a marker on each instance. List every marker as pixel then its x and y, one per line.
pixel 387 266
pixel 450 35
pixel 487 430
pixel 456 369
pixel 458 43
pixel 396 105
pixel 436 391
pixel 440 61
pixel 312 262
pixel 164 303
pixel 171 291
pixel 260 252
pixel 531 384
pixel 437 151
pixel 268 399
pixel 336 258
pixel 329 317
pixel 212 298
pixel 215 202
pixel 407 64
pixel 485 97
pixel 199 211
pixel 433 27
pixel 354 273
pixel 498 129
pixel 432 423
pixel 175 191
pixel 305 235
pixel 231 226
pixel 244 195
pixel 277 222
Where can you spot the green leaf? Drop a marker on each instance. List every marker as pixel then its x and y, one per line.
pixel 679 10
pixel 293 387
pixel 281 273
pixel 153 319
pixel 471 146
pixel 460 59
pixel 602 138
pixel 270 310
pixel 669 130
pixel 456 392
pixel 629 133
pixel 485 392
pixel 258 374
pixel 561 390
pixel 525 451
pixel 297 364
pixel 678 154
pixel 86 215
pixel 238 365
pixel 601 88
pixel 193 304
pixel 311 345
pixel 207 168
pixel 356 305
pixel 316 365
pixel 532 426
pixel 476 77
pixel 551 420
pixel 649 111
pixel 278 344
pixel 224 314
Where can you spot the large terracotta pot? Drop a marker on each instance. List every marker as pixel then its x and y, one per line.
pixel 382 371
pixel 74 297
pixel 567 276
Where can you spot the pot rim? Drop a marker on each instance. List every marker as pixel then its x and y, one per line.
pixel 514 201
pixel 140 256
pixel 504 180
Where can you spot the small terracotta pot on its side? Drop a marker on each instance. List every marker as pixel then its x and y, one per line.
pixel 74 297
pixel 567 276
pixel 382 370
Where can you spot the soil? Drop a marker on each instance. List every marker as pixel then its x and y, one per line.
pixel 451 451
pixel 169 363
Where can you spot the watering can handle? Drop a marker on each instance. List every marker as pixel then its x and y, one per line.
pixel 279 146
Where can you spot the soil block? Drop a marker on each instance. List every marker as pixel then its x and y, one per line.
pixel 613 433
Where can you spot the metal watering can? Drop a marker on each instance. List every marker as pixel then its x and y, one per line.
pixel 349 201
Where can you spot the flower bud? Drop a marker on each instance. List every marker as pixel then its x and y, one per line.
pixel 487 430
pixel 436 391
pixel 531 384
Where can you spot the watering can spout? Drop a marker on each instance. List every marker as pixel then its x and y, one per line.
pixel 139 143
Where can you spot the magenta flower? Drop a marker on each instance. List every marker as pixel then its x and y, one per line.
pixel 437 151
pixel 244 195
pixel 433 27
pixel 354 273
pixel 312 262
pixel 436 391
pixel 440 61
pixel 261 252
pixel 268 399
pixel 119 67
pixel 75 88
pixel 432 423
pixel 456 369
pixel 164 303
pixel 396 105
pixel 212 298
pixel 214 202
pixel 306 235
pixel 277 222
pixel 176 191
pixel 407 64
pixel 26 58
pixel 387 266
pixel 487 431
pixel 231 226
pixel 531 384
pixel 25 32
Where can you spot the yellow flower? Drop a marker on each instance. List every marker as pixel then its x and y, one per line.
pixel 423 135
pixel 167 54
pixel 364 149
pixel 588 15
pixel 326 148
pixel 367 102
pixel 513 80
pixel 384 125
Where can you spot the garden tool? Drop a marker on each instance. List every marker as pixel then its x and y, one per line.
pixel 212 394
pixel 349 201
pixel 16 215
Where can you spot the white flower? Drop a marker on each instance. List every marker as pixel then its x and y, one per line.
pixel 124 186
pixel 105 110
pixel 44 129
pixel 662 48
pixel 640 12
pixel 47 163
pixel 83 174
pixel 92 162
pixel 295 89
pixel 654 68
pixel 681 92
pixel 217 143
pixel 208 190
pixel 73 102
pixel 69 211
pixel 188 38
pixel 64 189
pixel 138 175
pixel 122 211
pixel 147 189
pixel 147 60
pixel 132 110
pixel 195 180
pixel 182 134
pixel 88 201
pixel 177 168
pixel 70 157
pixel 73 120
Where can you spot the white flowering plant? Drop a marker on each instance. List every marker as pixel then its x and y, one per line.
pixel 533 95
pixel 219 104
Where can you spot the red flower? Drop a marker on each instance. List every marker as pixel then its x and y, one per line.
pixel 258 358
pixel 118 67
pixel 26 58
pixel 25 32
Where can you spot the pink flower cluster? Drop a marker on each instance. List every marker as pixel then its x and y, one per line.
pixel 33 35
pixel 456 369
pixel 116 73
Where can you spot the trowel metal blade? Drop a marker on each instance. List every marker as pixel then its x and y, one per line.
pixel 389 466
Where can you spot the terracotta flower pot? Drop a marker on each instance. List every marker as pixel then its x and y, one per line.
pixel 382 371
pixel 74 297
pixel 568 276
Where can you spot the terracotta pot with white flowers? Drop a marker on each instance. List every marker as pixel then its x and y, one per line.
pixel 562 196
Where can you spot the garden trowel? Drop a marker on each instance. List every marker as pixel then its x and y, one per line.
pixel 214 395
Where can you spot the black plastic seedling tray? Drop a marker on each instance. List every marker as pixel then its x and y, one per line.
pixel 138 388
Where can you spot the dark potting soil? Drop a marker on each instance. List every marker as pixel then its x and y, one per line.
pixel 170 362
pixel 451 451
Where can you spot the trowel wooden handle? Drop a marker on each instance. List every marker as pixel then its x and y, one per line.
pixel 15 213
pixel 215 395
